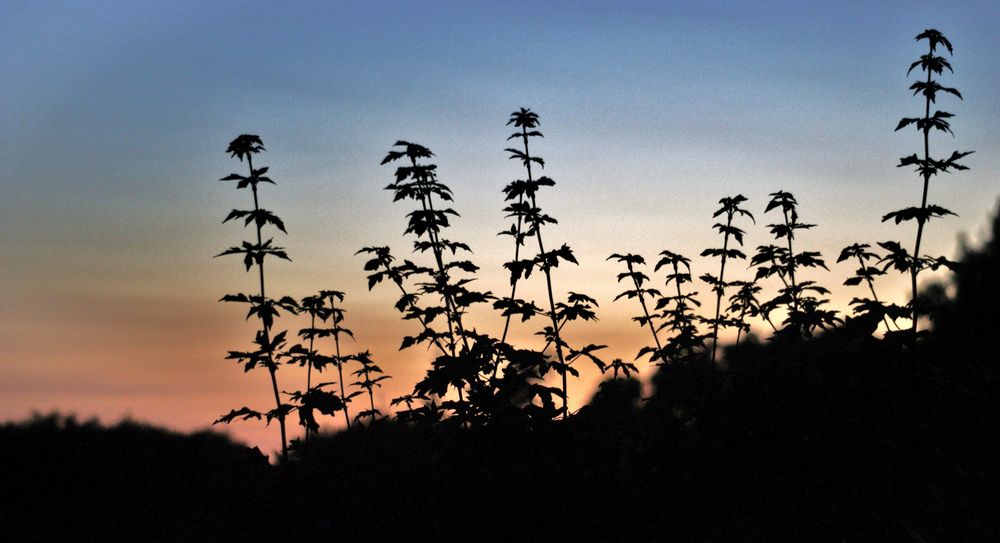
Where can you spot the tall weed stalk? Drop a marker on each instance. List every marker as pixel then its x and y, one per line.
pixel 527 212
pixel 927 167
pixel 730 208
pixel 264 308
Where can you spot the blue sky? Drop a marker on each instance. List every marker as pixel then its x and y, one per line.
pixel 115 116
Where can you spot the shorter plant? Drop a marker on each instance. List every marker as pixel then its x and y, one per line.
pixel 868 312
pixel 641 294
pixel 369 377
pixel 805 311
pixel 685 341
pixel 308 357
pixel 336 329
pixel 618 366
pixel 744 303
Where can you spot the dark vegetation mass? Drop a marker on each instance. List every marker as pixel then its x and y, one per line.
pixel 879 425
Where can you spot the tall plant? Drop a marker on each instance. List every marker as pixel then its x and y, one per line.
pixel 526 209
pixel 527 121
pixel 931 64
pixel 459 365
pixel 730 208
pixel 419 182
pixel 264 308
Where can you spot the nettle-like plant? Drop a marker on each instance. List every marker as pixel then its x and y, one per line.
pixel 269 346
pixel 927 167
pixel 868 312
pixel 641 294
pixel 527 121
pixel 805 312
pixel 744 303
pixel 307 356
pixel 419 182
pixel 464 354
pixel 323 306
pixel 685 342
pixel 730 208
pixel 336 330
pixel 523 205
pixel 493 380
pixel 369 377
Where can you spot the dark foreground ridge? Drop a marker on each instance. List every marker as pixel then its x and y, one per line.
pixel 833 441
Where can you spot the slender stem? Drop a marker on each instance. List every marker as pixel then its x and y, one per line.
pixel 271 367
pixel 645 312
pixel 454 317
pixel 371 395
pixel 719 289
pixel 517 256
pixel 552 311
pixel 309 357
pixel 340 361
pixel 677 282
pixel 915 269
pixel 549 342
pixel 791 270
pixel 517 251
pixel 680 297
pixel 548 282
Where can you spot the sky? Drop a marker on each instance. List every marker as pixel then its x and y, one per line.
pixel 114 119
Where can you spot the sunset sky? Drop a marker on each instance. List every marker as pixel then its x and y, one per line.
pixel 115 119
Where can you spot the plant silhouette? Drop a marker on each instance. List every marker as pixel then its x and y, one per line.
pixel 526 210
pixel 641 294
pixel 929 63
pixel 730 208
pixel 805 312
pixel 262 307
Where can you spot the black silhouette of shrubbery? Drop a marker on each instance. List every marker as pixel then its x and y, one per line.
pixel 66 480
